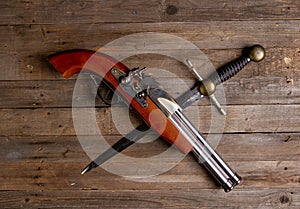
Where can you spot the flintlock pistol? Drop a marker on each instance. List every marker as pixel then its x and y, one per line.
pixel 145 95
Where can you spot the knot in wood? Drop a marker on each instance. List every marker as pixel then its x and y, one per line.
pixel 171 10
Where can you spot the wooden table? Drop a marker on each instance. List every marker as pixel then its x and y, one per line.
pixel 41 157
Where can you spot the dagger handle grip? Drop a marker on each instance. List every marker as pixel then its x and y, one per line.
pixel 229 70
pixel 256 53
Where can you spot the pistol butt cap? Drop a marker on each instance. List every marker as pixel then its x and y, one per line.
pixel 207 87
pixel 257 53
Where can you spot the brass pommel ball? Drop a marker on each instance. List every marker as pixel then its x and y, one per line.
pixel 207 87
pixel 257 53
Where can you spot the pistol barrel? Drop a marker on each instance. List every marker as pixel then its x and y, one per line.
pixel 205 154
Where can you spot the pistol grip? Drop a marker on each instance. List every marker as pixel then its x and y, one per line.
pixel 71 62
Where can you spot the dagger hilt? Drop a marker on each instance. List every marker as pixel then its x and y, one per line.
pixel 255 53
pixel 207 86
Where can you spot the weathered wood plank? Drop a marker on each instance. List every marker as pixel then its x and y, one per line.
pixel 268 198
pixel 230 10
pixel 204 198
pixel 49 12
pixel 252 147
pixel 25 56
pixel 92 11
pixel 241 118
pixel 206 35
pixel 232 147
pixel 185 175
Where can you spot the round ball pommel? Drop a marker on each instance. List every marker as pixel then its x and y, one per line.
pixel 207 87
pixel 257 53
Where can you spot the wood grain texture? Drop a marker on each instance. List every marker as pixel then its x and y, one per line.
pixel 30 47
pixel 54 162
pixel 206 35
pixel 92 11
pixel 267 198
pixel 41 156
pixel 59 93
pixel 247 147
pixel 243 118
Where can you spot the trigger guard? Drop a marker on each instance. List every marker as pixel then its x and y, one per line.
pixel 104 92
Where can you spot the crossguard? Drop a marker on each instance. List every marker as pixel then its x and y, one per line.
pixel 207 86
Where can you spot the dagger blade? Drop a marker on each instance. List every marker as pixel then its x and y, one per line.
pixel 119 146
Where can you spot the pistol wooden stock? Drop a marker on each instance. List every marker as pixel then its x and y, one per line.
pixel 69 63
